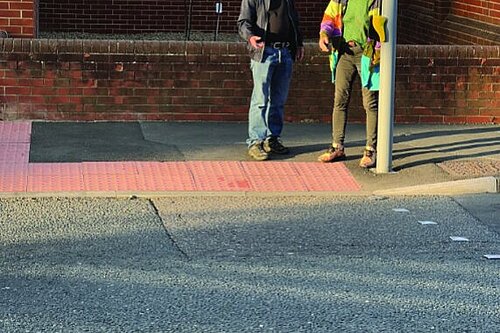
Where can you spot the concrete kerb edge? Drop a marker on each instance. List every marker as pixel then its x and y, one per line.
pixel 458 187
pixel 160 194
pixel 467 186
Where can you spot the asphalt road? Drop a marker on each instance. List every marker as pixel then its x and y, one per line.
pixel 249 264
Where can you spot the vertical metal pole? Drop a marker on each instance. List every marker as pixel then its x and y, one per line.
pixel 217 28
pixel 386 98
pixel 188 19
pixel 218 12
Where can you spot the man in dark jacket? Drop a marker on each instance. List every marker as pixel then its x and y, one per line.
pixel 271 29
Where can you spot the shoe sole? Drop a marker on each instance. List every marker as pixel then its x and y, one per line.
pixel 263 158
pixel 278 152
pixel 337 159
pixel 270 151
pixel 367 166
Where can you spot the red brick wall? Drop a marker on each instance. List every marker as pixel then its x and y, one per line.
pixel 448 84
pixel 461 22
pixel 140 16
pixel 152 80
pixel 119 16
pixel 18 17
pixel 479 10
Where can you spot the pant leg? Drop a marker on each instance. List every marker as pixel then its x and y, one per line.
pixel 370 103
pixel 257 114
pixel 280 84
pixel 344 75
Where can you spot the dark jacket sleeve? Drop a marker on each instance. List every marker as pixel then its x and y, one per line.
pixel 247 19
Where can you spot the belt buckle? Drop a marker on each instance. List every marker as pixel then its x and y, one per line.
pixel 281 45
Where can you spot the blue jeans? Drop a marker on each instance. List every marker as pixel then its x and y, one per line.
pixel 271 81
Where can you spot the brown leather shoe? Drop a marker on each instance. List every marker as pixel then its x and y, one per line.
pixel 332 154
pixel 369 158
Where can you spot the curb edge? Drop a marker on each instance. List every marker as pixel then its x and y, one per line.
pixel 465 186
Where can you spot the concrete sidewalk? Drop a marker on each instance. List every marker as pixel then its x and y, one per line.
pixel 427 159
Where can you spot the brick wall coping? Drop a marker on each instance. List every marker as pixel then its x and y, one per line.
pixel 148 47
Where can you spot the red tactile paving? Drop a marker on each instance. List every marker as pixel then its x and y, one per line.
pixel 12 168
pixel 270 168
pixel 55 183
pixel 18 175
pixel 109 168
pixel 177 176
pixel 55 177
pixel 173 168
pixel 215 167
pixel 15 132
pixel 209 182
pixel 110 182
pixel 13 184
pixel 164 176
pixel 14 152
pixel 54 169
pixel 13 180
pixel 152 182
pixel 327 177
pixel 278 184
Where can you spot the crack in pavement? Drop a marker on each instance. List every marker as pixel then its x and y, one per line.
pixel 169 235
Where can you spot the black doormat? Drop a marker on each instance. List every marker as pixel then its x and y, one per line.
pixel 95 142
